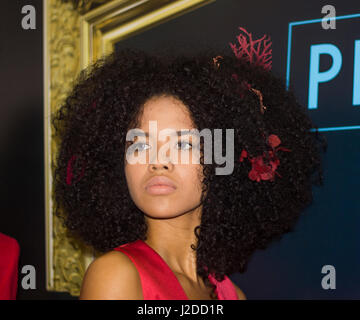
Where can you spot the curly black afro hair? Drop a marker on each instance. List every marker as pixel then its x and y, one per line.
pixel 239 215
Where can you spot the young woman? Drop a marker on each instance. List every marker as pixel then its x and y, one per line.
pixel 173 230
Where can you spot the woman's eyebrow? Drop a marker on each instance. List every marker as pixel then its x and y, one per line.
pixel 178 133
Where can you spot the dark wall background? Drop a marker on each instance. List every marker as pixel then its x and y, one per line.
pixel 21 141
pixel 327 234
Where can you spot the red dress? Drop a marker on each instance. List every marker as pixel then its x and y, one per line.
pixel 9 257
pixel 157 279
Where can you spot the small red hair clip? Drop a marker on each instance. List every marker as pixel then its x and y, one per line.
pixel 69 171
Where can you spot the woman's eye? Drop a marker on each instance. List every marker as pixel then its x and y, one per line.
pixel 184 145
pixel 140 146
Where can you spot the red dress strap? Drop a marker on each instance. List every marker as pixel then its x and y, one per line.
pixel 158 281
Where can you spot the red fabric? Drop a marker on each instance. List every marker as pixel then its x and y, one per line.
pixel 157 279
pixel 9 257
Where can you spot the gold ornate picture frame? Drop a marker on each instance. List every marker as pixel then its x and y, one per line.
pixel 76 34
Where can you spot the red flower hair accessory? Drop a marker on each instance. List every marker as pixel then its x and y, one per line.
pixel 261 170
pixel 257 52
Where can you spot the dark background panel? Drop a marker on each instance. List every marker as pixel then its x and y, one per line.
pixel 290 269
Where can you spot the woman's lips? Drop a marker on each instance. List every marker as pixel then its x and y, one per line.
pixel 160 185
pixel 160 189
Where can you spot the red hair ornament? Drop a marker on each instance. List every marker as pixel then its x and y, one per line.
pixel 69 168
pixel 69 171
pixel 260 169
pixel 257 52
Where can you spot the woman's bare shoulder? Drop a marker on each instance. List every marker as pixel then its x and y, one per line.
pixel 112 276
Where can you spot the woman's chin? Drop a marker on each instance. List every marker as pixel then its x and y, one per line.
pixel 161 214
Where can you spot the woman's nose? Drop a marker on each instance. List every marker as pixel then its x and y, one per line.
pixel 160 159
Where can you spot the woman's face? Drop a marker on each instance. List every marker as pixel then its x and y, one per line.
pixel 180 190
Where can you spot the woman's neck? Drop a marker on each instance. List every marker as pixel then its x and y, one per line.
pixel 172 240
